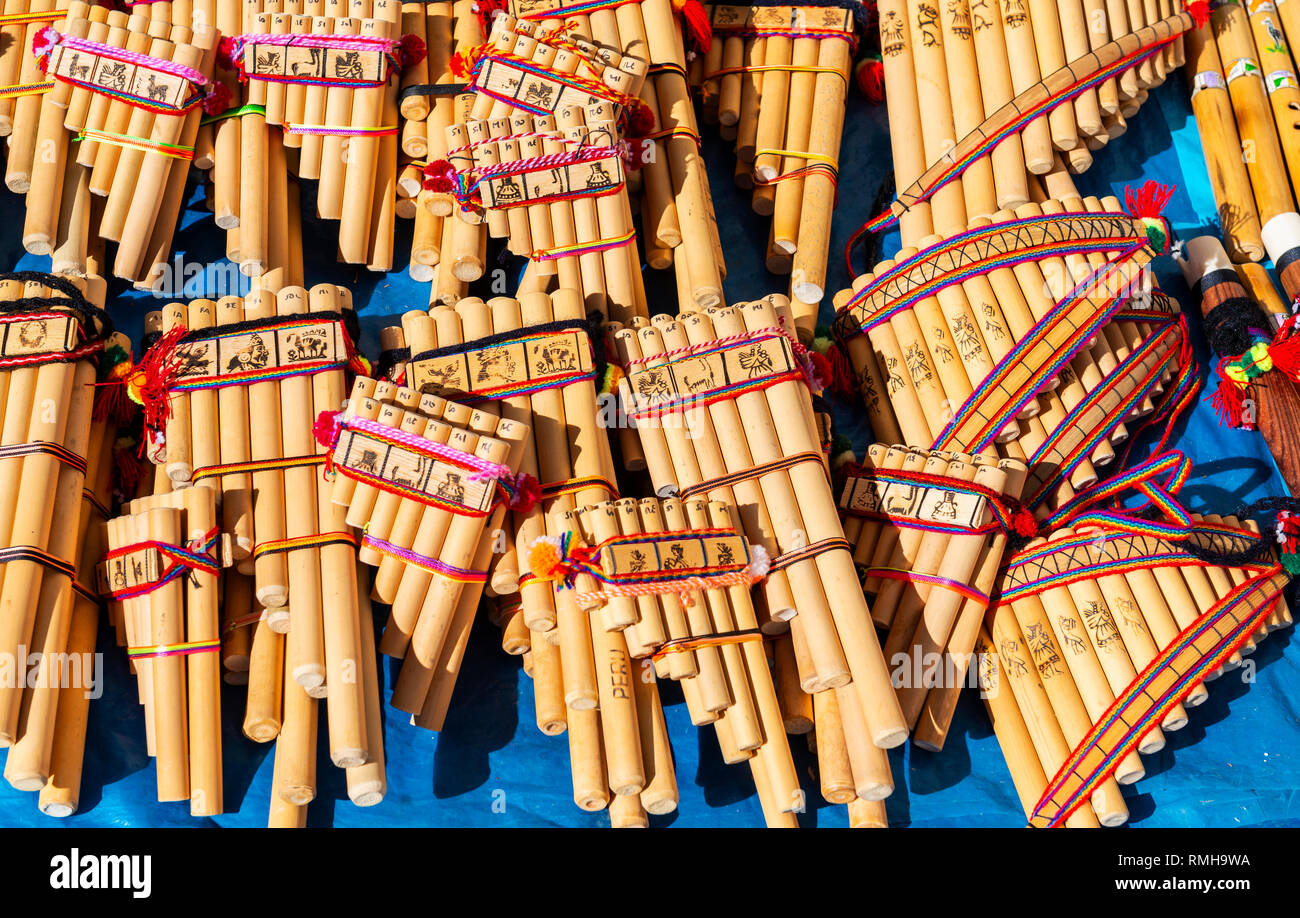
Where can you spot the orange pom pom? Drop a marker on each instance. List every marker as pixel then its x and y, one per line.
pixel 544 560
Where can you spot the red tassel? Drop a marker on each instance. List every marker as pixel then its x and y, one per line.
pixel 462 62
pixel 126 468
pixel 1149 200
pixel 1228 400
pixel 640 120
pixel 843 380
pixel 152 379
pixel 410 51
pixel 696 28
pixel 487 10
pixel 1200 12
pixel 1285 351
pixel 870 76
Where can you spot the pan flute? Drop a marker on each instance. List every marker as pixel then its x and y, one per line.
pixel 1042 360
pixel 22 84
pixel 539 154
pixel 161 571
pixel 680 228
pixel 232 392
pixel 56 441
pixel 723 376
pixel 664 589
pixel 928 530
pixel 131 91
pixel 430 485
pixel 775 79
pixel 327 78
pixel 532 361
pixel 1099 636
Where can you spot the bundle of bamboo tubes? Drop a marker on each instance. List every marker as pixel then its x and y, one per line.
pixel 235 386
pixel 162 569
pixel 429 481
pixel 22 85
pixel 322 101
pixel 775 81
pixel 131 92
pixel 56 440
pixel 548 101
pixel 950 364
pixel 725 377
pixel 678 222
pixel 928 556
pixel 666 583
pixel 1245 96
pixel 1081 614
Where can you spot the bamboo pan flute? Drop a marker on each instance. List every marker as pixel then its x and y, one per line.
pixel 108 170
pixel 916 369
pixel 343 137
pixel 931 622
pixel 573 214
pixel 253 444
pixel 948 86
pixel 428 106
pixel 684 407
pixel 52 508
pixel 564 449
pixel 706 639
pixel 1066 652
pixel 172 631
pixel 421 548
pixel 679 226
pixel 781 101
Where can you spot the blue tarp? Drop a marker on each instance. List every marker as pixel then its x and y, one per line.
pixel 1234 764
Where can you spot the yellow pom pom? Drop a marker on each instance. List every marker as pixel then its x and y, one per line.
pixel 544 559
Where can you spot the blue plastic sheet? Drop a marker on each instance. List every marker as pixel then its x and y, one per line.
pixel 1234 764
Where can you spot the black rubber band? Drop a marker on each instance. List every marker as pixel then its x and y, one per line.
pixel 593 325
pixel 431 89
pixel 101 326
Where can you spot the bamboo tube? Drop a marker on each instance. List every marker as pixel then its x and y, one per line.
pixel 336 151
pixel 202 623
pixel 586 759
pixel 1250 107
pixel 367 781
pixel 833 765
pixel 548 687
pixel 269 509
pixel 26 110
pixel 45 188
pixel 618 713
pixel 170 693
pixel 1010 158
pixel 61 794
pixel 963 84
pixel 937 128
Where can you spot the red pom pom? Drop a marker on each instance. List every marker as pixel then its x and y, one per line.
pixel 43 43
pixel 410 51
pixel 1200 12
pixel 226 53
pixel 639 119
pixel 822 372
pixel 217 100
pixel 1023 523
pixel 527 492
pixel 326 428
pixel 439 177
pixel 870 76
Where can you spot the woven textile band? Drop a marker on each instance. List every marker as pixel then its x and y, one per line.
pixel 754 471
pixel 795 555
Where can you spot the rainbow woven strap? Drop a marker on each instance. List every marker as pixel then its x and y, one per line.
pixel 299 543
pixel 1200 649
pixel 712 371
pixel 424 562
pixel 32 338
pixel 257 465
pixel 45 447
pixel 210 645
pixel 1059 88
pixel 537 10
pixel 15 553
pixel 505 366
pixel 151 83
pixel 416 468
pixel 352 61
pixel 732 479
pixel 720 639
pixel 1053 341
pixel 650 564
pixel 1110 403
pixel 129 579
pixel 933 580
pixel 553 489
